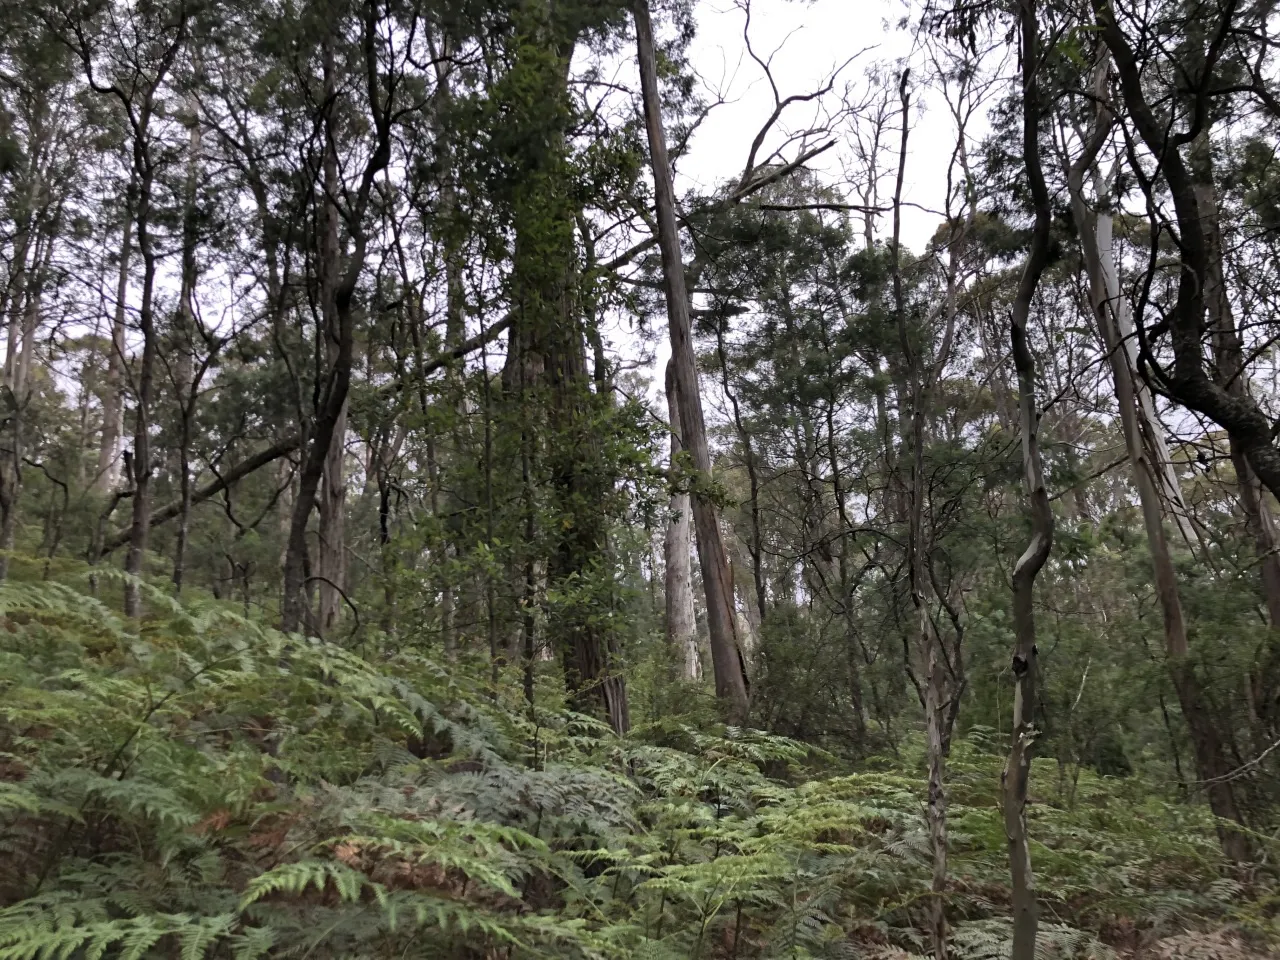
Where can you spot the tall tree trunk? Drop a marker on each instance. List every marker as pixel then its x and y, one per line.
pixel 143 177
pixel 339 277
pixel 682 625
pixel 453 225
pixel 1143 442
pixel 1232 374
pixel 140 522
pixel 26 219
pixel 550 333
pixel 330 567
pixel 185 385
pixel 11 487
pixel 940 689
pixel 1152 431
pixel 1017 771
pixel 755 542
pixel 108 472
pixel 20 302
pixel 726 654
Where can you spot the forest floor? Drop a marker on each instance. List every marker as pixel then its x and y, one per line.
pixel 211 787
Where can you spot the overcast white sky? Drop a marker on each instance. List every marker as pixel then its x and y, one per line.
pixel 810 40
pixel 804 40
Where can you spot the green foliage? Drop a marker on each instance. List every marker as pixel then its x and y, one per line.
pixel 213 788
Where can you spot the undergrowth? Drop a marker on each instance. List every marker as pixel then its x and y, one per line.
pixel 213 788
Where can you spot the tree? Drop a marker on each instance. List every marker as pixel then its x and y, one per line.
pixel 1025 653
pixel 726 652
pixel 341 208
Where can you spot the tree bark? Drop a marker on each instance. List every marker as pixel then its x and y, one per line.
pixel 331 551
pixel 682 625
pixel 21 391
pixel 142 467
pixel 108 472
pixel 915 379
pixel 1017 770
pixel 1245 422
pixel 548 348
pixel 145 168
pixel 1232 374
pixel 25 236
pixel 1152 431
pixel 455 333
pixel 726 654
pixel 1143 440
pixel 758 604
pixel 339 279
pixel 186 384
pixel 32 243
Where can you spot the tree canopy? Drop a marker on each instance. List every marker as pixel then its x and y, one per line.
pixel 429 526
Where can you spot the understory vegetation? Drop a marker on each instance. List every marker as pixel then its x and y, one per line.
pixel 473 486
pixel 212 787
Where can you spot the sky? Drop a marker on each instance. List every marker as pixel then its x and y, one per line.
pixel 808 40
pixel 804 41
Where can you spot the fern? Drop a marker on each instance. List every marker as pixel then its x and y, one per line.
pixel 215 788
pixel 296 878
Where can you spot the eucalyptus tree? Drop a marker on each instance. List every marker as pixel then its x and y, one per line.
pixel 1017 772
pixel 47 139
pixel 1159 492
pixel 129 53
pixel 1202 58
pixel 726 651
pixel 553 318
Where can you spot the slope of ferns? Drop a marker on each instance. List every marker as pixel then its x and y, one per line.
pixel 213 788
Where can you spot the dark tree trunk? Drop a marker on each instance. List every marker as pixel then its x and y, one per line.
pixel 339 276
pixel 549 348
pixel 1017 771
pixel 1188 382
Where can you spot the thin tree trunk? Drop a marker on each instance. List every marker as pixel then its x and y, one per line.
pixel 185 384
pixel 140 522
pixel 726 654
pixel 936 748
pixel 331 553
pixel 1143 441
pixel 1017 770
pixel 339 277
pixel 455 334
pixel 25 236
pixel 144 170
pixel 20 385
pixel 755 543
pixel 1151 429
pixel 913 389
pixel 108 473
pixel 21 292
pixel 682 625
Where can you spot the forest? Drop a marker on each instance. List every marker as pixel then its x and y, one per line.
pixel 435 524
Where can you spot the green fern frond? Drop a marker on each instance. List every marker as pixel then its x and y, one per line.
pixel 297 878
